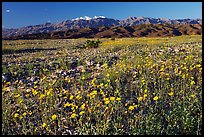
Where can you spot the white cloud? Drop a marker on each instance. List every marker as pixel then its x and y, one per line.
pixel 8 11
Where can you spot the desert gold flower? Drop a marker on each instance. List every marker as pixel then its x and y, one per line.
pixel 101 85
pixel 78 97
pixel 5 88
pixel 83 106
pixel 118 99
pixel 24 114
pixel 54 117
pixel 106 85
pixel 170 93
pixel 198 65
pixel 16 96
pixel 116 80
pixel 107 102
pixel 16 115
pixel 192 82
pixel 83 78
pixel 145 95
pixel 112 98
pixel 73 115
pixel 42 96
pixel 34 92
pixel 193 95
pixel 81 113
pixel 156 98
pixel 183 76
pixel 44 125
pixel 71 97
pixel 67 104
pixel 131 108
pixel 139 99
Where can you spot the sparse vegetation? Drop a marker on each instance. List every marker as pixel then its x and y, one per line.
pixel 90 44
pixel 135 86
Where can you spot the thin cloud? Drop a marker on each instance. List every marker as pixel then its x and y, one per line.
pixel 8 11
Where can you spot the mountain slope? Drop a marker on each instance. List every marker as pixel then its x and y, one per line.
pixel 88 22
pixel 142 30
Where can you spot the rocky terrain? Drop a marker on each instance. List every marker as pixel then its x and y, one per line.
pixel 106 27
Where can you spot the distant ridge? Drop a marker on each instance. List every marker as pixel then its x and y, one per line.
pixel 101 24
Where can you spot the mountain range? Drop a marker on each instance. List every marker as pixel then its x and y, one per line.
pixel 97 25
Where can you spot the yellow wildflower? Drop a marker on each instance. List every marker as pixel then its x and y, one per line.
pixel 192 82
pixel 16 96
pixel 24 114
pixel 71 97
pixel 183 76
pixel 101 85
pixel 140 99
pixel 82 106
pixel 42 96
pixel 193 95
pixel 108 75
pixel 107 102
pixel 73 115
pixel 112 98
pixel 83 78
pixel 44 125
pixel 145 95
pixel 67 104
pixel 118 99
pixel 131 108
pixel 81 113
pixel 155 98
pixel 170 93
pixel 54 117
pixel 16 115
pixel 34 92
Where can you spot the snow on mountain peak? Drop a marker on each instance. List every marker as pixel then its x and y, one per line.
pixel 95 17
pixel 87 18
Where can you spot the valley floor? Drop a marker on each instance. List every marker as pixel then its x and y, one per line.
pixel 125 86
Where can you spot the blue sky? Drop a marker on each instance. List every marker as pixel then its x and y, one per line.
pixel 19 14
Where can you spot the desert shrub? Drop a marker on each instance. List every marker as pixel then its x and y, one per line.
pixel 90 44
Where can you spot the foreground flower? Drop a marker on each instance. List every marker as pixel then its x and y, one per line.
pixel 24 114
pixel 170 93
pixel 131 108
pixel 145 95
pixel 82 106
pixel 54 117
pixel 16 115
pixel 107 102
pixel 139 99
pixel 73 115
pixel 44 125
pixel 112 98
pixel 192 82
pixel 81 113
pixel 193 95
pixel 155 98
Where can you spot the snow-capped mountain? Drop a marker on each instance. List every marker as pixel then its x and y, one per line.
pixel 95 22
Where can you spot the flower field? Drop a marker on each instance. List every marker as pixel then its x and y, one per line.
pixel 133 86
